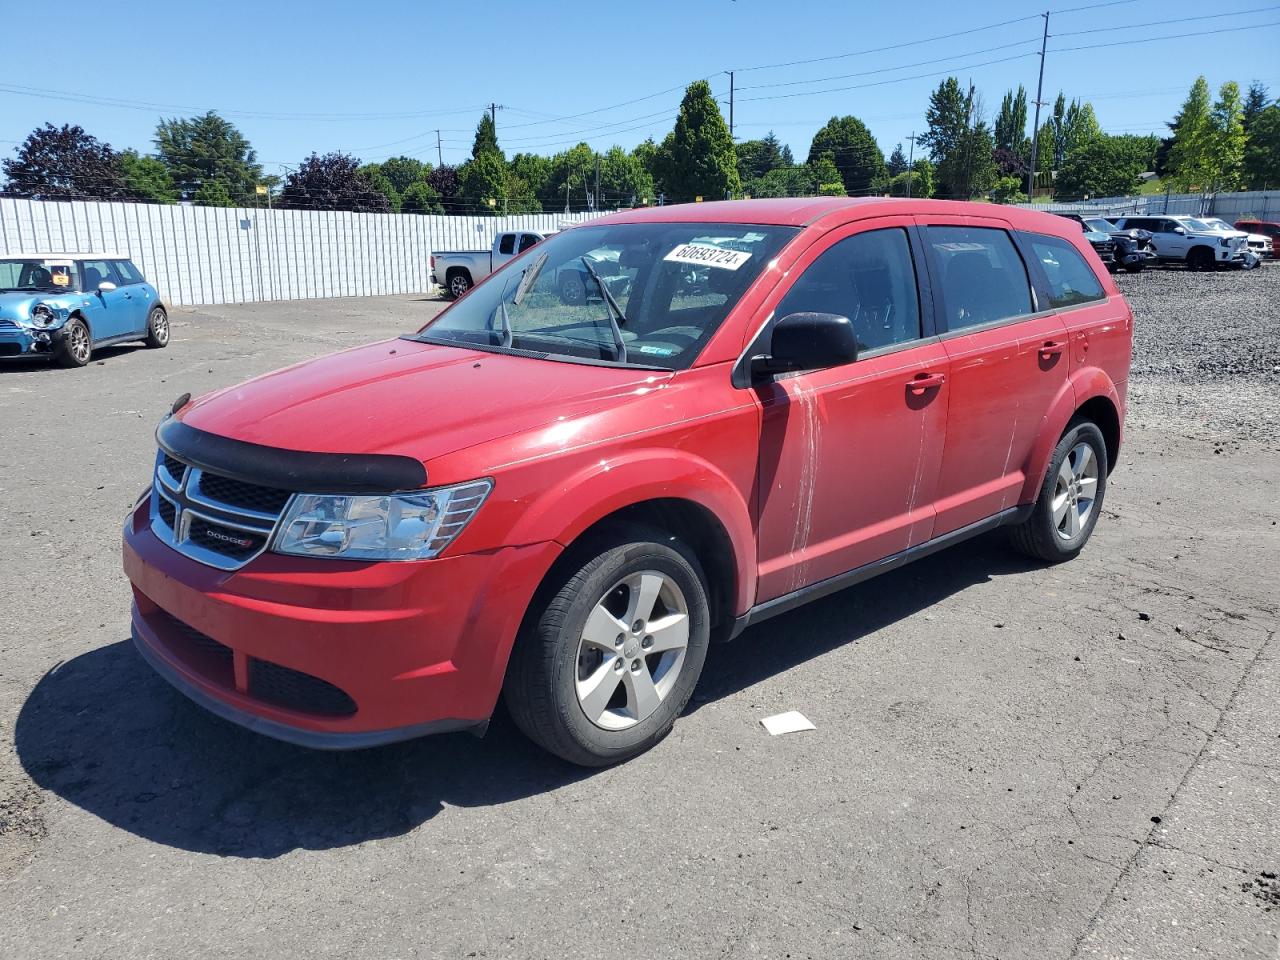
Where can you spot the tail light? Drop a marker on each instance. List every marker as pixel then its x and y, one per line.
pixel 433 261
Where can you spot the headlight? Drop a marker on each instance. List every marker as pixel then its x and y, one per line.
pixel 1225 241
pixel 43 315
pixel 401 526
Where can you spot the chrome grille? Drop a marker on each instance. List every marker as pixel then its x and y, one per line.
pixel 215 520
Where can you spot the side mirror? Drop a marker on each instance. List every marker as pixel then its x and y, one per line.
pixel 807 341
pixel 106 286
pixel 1182 230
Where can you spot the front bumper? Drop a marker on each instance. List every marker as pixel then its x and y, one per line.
pixel 333 654
pixel 17 341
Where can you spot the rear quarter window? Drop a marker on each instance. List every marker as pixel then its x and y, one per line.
pixel 1069 278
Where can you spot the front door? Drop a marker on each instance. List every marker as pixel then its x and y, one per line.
pixel 849 455
pixel 1008 364
pixel 110 312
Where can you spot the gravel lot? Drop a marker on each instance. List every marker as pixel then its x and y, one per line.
pixel 1009 760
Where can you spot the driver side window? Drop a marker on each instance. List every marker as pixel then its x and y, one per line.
pixel 869 278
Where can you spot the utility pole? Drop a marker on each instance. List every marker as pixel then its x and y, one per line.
pixel 1035 130
pixel 911 161
pixel 439 150
pixel 730 105
pixel 597 201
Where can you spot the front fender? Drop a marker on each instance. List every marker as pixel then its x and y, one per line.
pixel 564 512
pixel 1082 386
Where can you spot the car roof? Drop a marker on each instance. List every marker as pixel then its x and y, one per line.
pixel 804 211
pixel 45 255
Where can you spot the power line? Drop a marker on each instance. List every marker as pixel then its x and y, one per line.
pixel 1173 36
pixel 1136 26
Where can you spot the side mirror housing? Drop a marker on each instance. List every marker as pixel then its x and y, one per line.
pixel 1181 230
pixel 807 341
pixel 106 286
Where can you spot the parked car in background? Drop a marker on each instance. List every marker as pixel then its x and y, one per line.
pixel 1259 243
pixel 457 271
pixel 1266 228
pixel 342 554
pixel 1179 239
pixel 1129 249
pixel 66 305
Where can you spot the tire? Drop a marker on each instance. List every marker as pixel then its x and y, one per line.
pixel 588 682
pixel 1135 267
pixel 573 293
pixel 157 329
pixel 76 349
pixel 457 283
pixel 1200 258
pixel 1078 466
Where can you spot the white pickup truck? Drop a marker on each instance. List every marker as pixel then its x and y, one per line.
pixel 457 271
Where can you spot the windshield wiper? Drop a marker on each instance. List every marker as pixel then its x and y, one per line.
pixel 616 316
pixel 529 277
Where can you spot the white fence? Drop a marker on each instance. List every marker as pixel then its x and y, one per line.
pixel 206 255
pixel 1258 204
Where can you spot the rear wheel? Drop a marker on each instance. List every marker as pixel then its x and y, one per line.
pixel 1200 258
pixel 459 283
pixel 610 659
pixel 1070 499
pixel 77 347
pixel 157 328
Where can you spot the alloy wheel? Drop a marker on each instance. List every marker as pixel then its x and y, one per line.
pixel 1075 492
pixel 80 343
pixel 458 286
pixel 160 327
pixel 632 650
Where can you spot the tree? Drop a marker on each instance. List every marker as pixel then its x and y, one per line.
pixel 969 169
pixel 758 157
pixel 702 159
pixel 919 180
pixel 486 140
pixel 213 194
pixel 790 181
pixel 444 181
pixel 572 178
pixel 1255 101
pixel 382 183
pixel 200 149
pixel 948 119
pixel 418 197
pixel 853 149
pixel 403 171
pixel 1262 155
pixel 624 182
pixel 1009 163
pixel 147 178
pixel 1104 167
pixel 1011 123
pixel 1228 137
pixel 897 162
pixel 482 181
pixel 1008 190
pixel 1191 158
pixel 65 163
pixel 331 182
pixel 825 176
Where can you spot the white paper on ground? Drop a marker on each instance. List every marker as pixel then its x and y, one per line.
pixel 792 721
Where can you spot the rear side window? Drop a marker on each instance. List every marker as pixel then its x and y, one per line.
pixel 869 278
pixel 128 272
pixel 526 241
pixel 983 278
pixel 507 244
pixel 1069 277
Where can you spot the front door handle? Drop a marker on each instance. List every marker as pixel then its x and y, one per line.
pixel 1051 348
pixel 922 382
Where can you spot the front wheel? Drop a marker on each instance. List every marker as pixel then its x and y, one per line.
pixel 1070 500
pixel 157 328
pixel 606 664
pixel 77 347
pixel 1201 258
pixel 1135 267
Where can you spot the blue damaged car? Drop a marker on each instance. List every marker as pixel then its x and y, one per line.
pixel 64 305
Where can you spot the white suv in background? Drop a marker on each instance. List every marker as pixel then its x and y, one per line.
pixel 1258 243
pixel 1188 239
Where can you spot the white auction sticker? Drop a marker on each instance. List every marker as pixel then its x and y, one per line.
pixel 704 255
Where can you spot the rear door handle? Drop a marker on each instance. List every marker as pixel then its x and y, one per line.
pixel 925 381
pixel 1051 348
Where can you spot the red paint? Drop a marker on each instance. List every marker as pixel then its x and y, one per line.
pixel 808 476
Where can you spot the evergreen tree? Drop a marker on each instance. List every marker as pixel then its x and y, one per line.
pixel 948 119
pixel 1011 122
pixel 897 162
pixel 624 182
pixel 825 176
pixel 148 178
pixel 199 150
pixel 1255 101
pixel 1229 137
pixel 854 150
pixel 486 140
pixel 1262 155
pixel 213 194
pixel 1191 158
pixel 418 197
pixel 702 159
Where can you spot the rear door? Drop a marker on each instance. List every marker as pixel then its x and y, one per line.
pixel 109 312
pixel 849 455
pixel 1008 361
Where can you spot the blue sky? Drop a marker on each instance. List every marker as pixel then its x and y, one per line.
pixel 378 79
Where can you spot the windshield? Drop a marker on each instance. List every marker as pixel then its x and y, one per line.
pixel 37 274
pixel 1215 224
pixel 645 294
pixel 1197 224
pixel 1099 225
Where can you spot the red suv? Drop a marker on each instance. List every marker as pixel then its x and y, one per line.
pixel 564 500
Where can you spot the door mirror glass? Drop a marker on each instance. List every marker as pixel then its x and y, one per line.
pixel 1181 230
pixel 106 286
pixel 807 341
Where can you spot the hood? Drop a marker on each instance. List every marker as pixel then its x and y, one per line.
pixel 414 399
pixel 17 305
pixel 1093 236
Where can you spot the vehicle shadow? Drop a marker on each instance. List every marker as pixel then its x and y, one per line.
pixel 28 363
pixel 105 733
